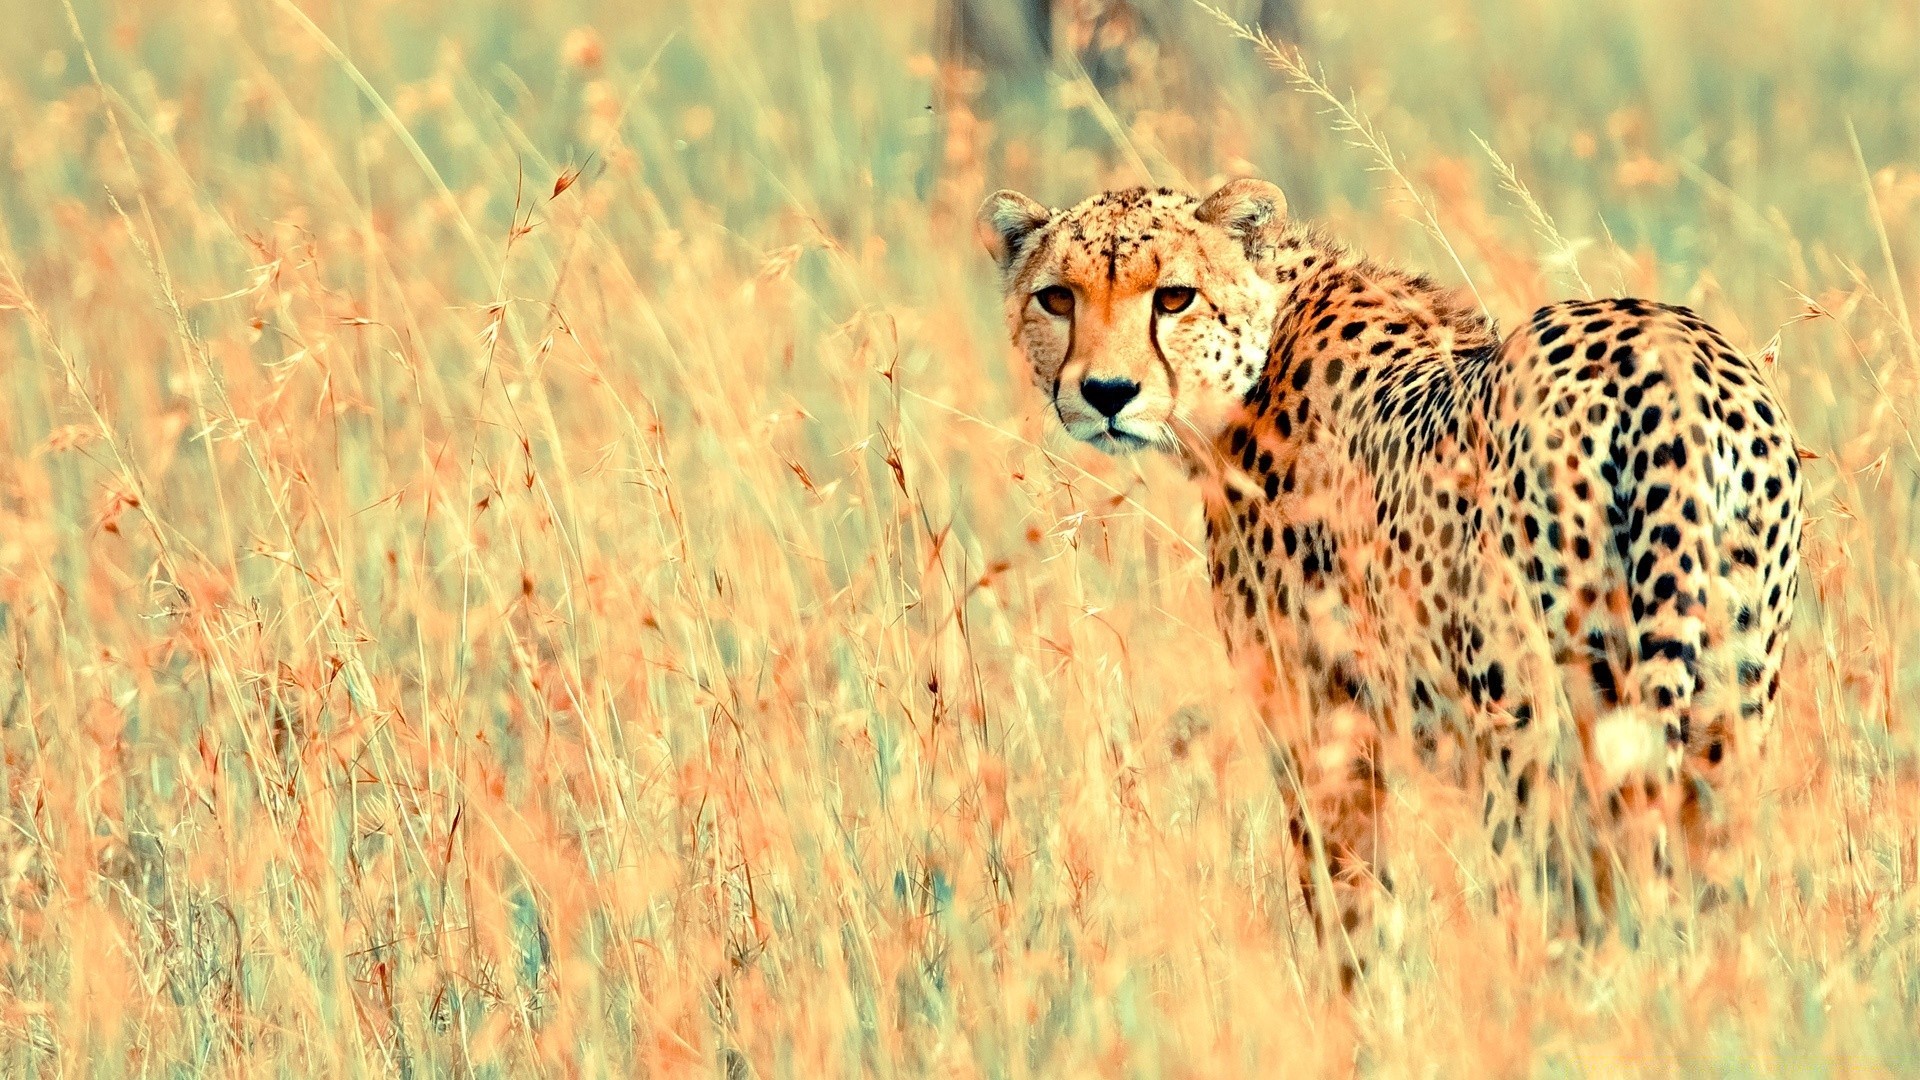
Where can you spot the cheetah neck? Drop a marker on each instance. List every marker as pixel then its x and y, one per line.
pixel 1354 338
pixel 1317 276
pixel 1346 323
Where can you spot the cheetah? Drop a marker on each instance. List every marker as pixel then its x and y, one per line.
pixel 1563 560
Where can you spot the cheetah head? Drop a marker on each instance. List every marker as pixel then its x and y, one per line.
pixel 1143 314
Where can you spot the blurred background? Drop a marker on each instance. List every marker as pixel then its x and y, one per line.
pixel 523 549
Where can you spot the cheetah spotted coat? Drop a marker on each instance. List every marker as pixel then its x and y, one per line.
pixel 1583 535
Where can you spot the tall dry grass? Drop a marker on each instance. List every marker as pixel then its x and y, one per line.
pixel 522 551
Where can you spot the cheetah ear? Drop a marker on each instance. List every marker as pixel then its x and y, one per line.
pixel 1247 209
pixel 1007 220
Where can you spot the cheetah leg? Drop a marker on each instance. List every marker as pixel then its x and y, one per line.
pixel 1337 836
pixel 1722 770
pixel 1326 715
pixel 1606 825
pixel 1332 783
pixel 1639 749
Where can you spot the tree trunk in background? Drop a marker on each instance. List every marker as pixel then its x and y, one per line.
pixel 996 59
pixel 1005 36
pixel 1016 36
pixel 1281 20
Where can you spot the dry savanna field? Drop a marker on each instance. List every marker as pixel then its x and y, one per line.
pixel 524 551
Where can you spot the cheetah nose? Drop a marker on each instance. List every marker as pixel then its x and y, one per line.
pixel 1109 396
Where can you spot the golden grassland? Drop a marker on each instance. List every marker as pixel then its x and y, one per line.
pixel 523 551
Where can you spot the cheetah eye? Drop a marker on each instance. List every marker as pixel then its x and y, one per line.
pixel 1057 299
pixel 1173 299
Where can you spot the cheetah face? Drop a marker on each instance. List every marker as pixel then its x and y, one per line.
pixel 1143 314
